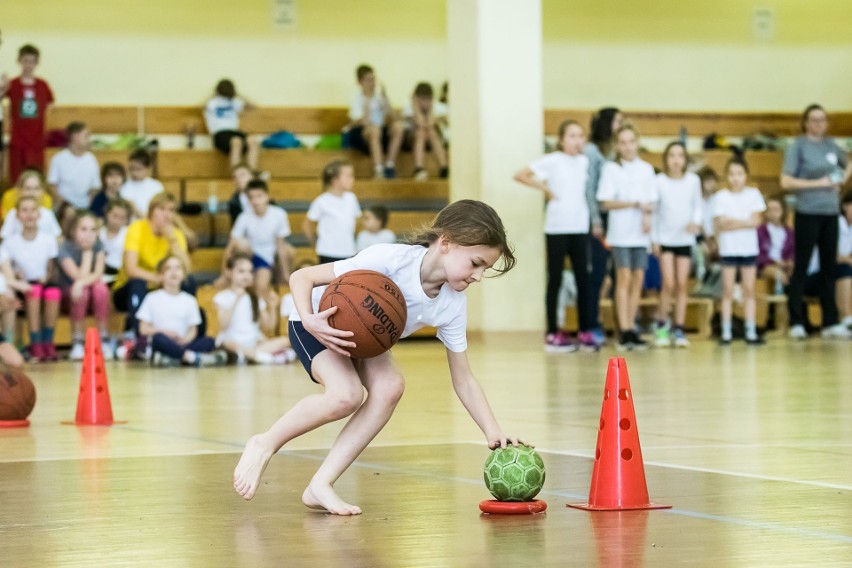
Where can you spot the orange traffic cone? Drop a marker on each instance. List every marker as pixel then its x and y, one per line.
pixel 618 478
pixel 93 403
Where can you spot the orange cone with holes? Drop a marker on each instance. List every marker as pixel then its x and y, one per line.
pixel 618 478
pixel 93 402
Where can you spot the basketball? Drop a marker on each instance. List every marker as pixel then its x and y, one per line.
pixel 371 306
pixel 17 394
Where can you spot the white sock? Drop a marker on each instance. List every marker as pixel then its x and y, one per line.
pixel 190 357
pixel 726 330
pixel 263 358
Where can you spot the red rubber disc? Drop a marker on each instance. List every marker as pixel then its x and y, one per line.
pixel 493 507
pixel 14 423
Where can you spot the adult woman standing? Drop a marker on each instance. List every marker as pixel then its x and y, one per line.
pixel 815 168
pixel 149 241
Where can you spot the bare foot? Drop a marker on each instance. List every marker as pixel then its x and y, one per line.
pixel 251 466
pixel 318 496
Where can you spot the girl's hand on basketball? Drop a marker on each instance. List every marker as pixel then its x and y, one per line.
pixel 335 339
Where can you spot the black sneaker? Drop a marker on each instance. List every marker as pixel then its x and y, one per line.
pixel 625 341
pixel 445 173
pixel 639 344
pixel 756 340
pixel 724 341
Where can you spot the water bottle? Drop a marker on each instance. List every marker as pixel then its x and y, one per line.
pixel 212 199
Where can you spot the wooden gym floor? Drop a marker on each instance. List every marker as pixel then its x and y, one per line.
pixel 751 447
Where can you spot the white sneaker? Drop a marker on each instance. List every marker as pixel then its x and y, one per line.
pixel 836 331
pixel 847 321
pixel 798 332
pixel 77 352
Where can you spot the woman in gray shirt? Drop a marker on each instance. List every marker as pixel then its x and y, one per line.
pixel 815 168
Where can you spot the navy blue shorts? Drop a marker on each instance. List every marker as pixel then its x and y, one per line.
pixel 741 261
pixel 258 262
pixel 677 251
pixel 305 345
pixel 842 271
pixel 653 275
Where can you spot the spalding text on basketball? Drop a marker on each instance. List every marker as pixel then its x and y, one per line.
pixel 383 319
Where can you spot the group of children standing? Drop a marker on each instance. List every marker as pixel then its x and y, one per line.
pixel 645 211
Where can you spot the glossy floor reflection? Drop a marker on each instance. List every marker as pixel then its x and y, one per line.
pixel 750 446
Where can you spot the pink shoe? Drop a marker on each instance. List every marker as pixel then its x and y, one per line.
pixel 36 352
pixel 559 342
pixel 49 350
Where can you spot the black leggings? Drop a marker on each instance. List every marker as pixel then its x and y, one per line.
pixel 576 247
pixel 810 230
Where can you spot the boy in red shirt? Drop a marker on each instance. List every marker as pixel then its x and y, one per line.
pixel 29 98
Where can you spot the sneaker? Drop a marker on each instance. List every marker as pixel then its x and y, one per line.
pixel 110 346
pixel 379 172
pixel 798 332
pixel 160 360
pixel 847 321
pixel 587 341
pixel 390 172
pixel 724 341
pixel 639 344
pixel 756 340
pixel 445 173
pixel 600 336
pixel 625 341
pixel 559 342
pixel 36 351
pixel 836 331
pixel 680 339
pixel 215 358
pixel 662 337
pixel 421 174
pixel 49 350
pixel 77 351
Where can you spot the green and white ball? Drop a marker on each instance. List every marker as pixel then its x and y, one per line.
pixel 514 474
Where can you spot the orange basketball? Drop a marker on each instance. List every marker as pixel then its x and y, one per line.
pixel 17 394
pixel 371 306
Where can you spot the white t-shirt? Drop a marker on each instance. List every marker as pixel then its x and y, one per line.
pixel 439 110
pixel 741 206
pixel 377 105
pixel 777 239
pixel 401 263
pixel 170 312
pixel 242 329
pixel 366 239
pixel 335 217
pixel 708 228
pixel 566 176
pixel 47 224
pixel 31 257
pixel 75 176
pixel 844 237
pixel 140 193
pixel 262 232
pixel 680 204
pixel 628 181
pixel 221 113
pixel 113 247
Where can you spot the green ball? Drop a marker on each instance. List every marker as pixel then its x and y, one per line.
pixel 514 474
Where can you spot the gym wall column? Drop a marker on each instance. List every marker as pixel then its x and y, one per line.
pixel 496 110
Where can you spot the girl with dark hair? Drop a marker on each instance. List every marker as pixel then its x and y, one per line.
pixel 330 222
pixel 222 116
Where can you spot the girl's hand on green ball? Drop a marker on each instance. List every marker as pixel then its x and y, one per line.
pixel 504 441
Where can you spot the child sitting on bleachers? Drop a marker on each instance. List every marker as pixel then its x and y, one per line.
pixel 374 229
pixel 141 187
pixel 113 176
pixel 31 186
pixel 112 235
pixel 81 266
pixel 261 231
pixel 422 117
pixel 776 242
pixel 29 269
pixel 73 175
pixel 170 319
pixel 31 179
pixel 242 314
pixel 331 218
pixel 222 116
pixel 372 127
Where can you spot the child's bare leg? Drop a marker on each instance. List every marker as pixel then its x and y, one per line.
pixel 436 145
pixel 636 282
pixel 272 345
pixel 622 298
pixel 10 356
pixel 342 396
pixel 419 146
pixel 384 386
pixel 253 154
pixel 747 277
pixel 667 268
pixel 9 317
pixel 262 281
pixel 51 313
pixel 729 275
pixel 236 150
pixel 682 266
pixel 373 135
pixel 33 309
pixel 843 297
pixel 397 130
